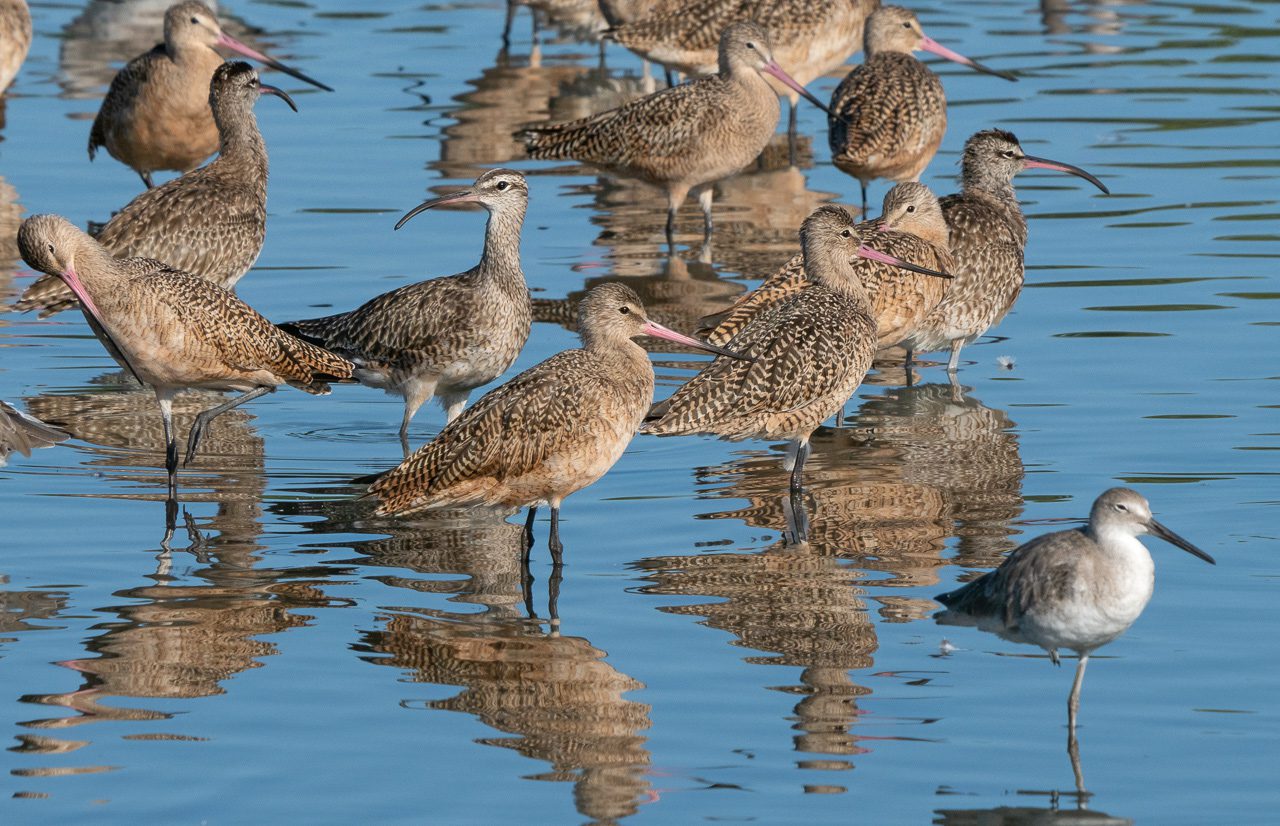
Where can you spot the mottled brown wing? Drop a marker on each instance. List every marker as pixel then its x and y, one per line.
pixel 696 27
pixel 120 94
pixel 510 431
pixel 878 108
pixel 988 253
pixel 784 283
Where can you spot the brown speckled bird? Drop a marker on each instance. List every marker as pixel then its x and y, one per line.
pixel 550 431
pixel 173 330
pixel 156 114
pixel 808 353
pixel 810 37
pixel 910 229
pixel 15 39
pixel 210 222
pixel 988 238
pixel 447 336
pixel 687 137
pixel 888 115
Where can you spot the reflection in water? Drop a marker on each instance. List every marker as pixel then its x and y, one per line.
pixel 10 218
pixel 1027 816
pixel 19 608
pixel 558 697
pixel 1099 18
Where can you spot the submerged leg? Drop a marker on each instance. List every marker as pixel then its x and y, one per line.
pixel 557 549
pixel 705 196
pixel 797 452
pixel 170 443
pixel 1073 701
pixel 796 517
pixel 202 420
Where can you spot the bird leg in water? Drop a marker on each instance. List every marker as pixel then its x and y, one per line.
pixel 671 229
pixel 797 452
pixel 1073 701
pixel 553 601
pixel 170 522
pixel 793 152
pixel 953 363
pixel 864 199
pixel 528 535
pixel 705 194
pixel 170 453
pixel 203 419
pixel 557 549
pixel 796 517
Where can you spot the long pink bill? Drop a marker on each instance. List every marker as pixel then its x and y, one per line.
pixel 930 45
pixel 227 41
pixel 885 258
pixel 264 89
pixel 77 286
pixel 653 328
pixel 1032 162
pixel 464 196
pixel 773 69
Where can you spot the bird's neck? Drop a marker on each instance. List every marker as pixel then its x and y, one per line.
pixel 240 143
pixel 976 178
pixel 500 261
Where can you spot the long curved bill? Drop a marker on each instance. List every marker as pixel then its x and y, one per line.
pixel 653 328
pixel 464 196
pixel 234 45
pixel 73 281
pixel 264 89
pixel 1032 162
pixel 931 45
pixel 774 70
pixel 885 258
pixel 1173 539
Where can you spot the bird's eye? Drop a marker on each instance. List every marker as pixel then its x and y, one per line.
pixel 1121 507
pixel 51 251
pixel 624 310
pixel 502 185
pixel 846 234
pixel 750 45
pixel 196 20
pixel 906 25
pixel 1008 153
pixel 911 208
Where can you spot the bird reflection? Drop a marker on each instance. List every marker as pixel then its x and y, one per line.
pixel 18 609
pixel 1027 816
pixel 1099 17
pixel 10 219
pixel 556 695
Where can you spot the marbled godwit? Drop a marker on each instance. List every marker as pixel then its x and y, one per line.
pixel 15 39
pixel 23 433
pixel 210 222
pixel 687 137
pixel 1078 589
pixel 173 331
pixel 809 353
pixel 810 37
pixel 988 238
pixel 899 301
pixel 447 336
pixel 550 431
pixel 888 115
pixel 156 114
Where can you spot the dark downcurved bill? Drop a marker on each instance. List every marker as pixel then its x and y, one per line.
pixel 931 45
pixel 774 70
pixel 653 328
pixel 231 43
pixel 264 89
pixel 885 258
pixel 464 196
pixel 1032 162
pixel 1172 538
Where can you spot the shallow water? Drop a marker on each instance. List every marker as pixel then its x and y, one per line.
pixel 295 659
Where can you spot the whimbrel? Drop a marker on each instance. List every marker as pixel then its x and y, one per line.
pixel 24 433
pixel 547 433
pixel 447 336
pixel 988 238
pixel 173 330
pixel 687 137
pixel 15 39
pixel 210 222
pixel 889 114
pixel 1077 589
pixel 156 114
pixel 810 352
pixel 810 37
pixel 911 229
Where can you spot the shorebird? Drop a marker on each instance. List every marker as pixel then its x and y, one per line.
pixel 15 39
pixel 809 352
pixel 173 330
pixel 156 114
pixel 210 222
pixel 687 137
pixel 810 37
pixel 24 433
pixel 1077 589
pixel 547 433
pixel 888 115
pixel 447 336
pixel 988 238
pixel 910 229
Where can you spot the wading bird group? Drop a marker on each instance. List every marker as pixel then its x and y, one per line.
pixel 155 284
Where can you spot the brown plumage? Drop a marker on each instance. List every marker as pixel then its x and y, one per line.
pixel 23 433
pixel 684 138
pixel 899 300
pixel 447 336
pixel 888 115
pixel 173 330
pixel 156 114
pixel 15 39
pixel 988 239
pixel 545 434
pixel 809 353
pixel 210 222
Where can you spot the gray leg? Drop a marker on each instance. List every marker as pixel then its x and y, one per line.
pixel 202 420
pixel 705 196
pixel 146 179
pixel 170 446
pixel 1073 701
pixel 557 549
pixel 953 363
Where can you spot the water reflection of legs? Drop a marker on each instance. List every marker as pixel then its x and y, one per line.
pixel 797 518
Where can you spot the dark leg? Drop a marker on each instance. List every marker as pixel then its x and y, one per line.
pixel 797 471
pixel 671 228
pixel 170 448
pixel 506 28
pixel 170 522
pixel 202 420
pixel 146 179
pixel 864 199
pixel 553 599
pixel 671 79
pixel 557 549
pixel 793 151
pixel 528 534
pixel 797 518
